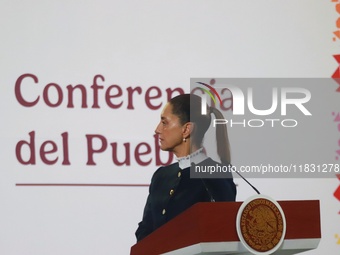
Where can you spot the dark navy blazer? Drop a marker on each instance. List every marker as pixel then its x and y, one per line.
pixel 172 191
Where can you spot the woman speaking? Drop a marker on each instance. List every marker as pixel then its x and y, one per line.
pixel 181 130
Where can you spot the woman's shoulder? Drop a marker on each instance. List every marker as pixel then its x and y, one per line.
pixel 168 173
pixel 166 170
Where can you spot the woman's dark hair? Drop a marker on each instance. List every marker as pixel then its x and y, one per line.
pixel 188 109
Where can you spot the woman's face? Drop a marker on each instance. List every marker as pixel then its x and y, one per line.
pixel 170 130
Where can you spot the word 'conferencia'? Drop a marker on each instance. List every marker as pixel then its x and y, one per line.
pixel 53 94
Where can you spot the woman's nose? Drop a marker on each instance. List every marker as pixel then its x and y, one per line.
pixel 157 129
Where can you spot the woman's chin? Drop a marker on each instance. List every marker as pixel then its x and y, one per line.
pixel 163 147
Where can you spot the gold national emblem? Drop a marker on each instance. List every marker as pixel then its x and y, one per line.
pixel 262 225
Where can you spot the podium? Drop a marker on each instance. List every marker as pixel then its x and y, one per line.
pixel 210 228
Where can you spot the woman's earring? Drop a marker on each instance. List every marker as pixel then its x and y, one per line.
pixel 184 139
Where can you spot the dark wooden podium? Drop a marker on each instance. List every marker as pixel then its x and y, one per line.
pixel 210 228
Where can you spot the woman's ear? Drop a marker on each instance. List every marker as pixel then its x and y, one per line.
pixel 188 129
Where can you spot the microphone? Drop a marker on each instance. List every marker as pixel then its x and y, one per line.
pixel 205 186
pixel 209 193
pixel 211 196
pixel 258 192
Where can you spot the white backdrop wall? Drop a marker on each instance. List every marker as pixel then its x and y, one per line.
pixel 136 46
